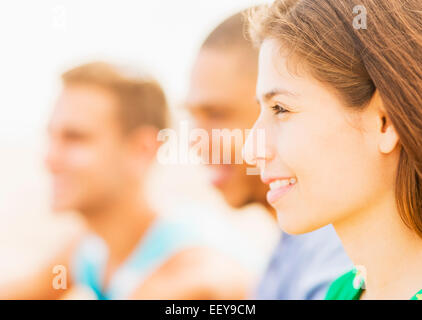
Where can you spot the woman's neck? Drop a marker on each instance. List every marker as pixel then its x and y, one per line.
pixel 379 243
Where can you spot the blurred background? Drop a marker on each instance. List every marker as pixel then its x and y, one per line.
pixel 41 39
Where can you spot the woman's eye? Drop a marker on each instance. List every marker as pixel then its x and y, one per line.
pixel 279 109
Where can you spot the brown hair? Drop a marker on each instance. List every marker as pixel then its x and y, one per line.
pixel 386 56
pixel 141 101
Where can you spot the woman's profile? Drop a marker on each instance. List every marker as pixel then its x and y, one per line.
pixel 341 107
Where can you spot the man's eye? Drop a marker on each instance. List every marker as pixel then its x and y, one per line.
pixel 216 114
pixel 73 136
pixel 279 109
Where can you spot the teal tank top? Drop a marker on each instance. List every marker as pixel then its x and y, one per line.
pixel 162 240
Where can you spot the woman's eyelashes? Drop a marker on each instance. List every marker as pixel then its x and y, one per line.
pixel 278 109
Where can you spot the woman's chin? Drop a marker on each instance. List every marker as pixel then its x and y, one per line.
pixel 291 225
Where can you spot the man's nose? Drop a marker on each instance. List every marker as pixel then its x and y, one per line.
pixel 52 158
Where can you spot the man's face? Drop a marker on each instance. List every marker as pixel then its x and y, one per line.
pixel 86 157
pixel 222 96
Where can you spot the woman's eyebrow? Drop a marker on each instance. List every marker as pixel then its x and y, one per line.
pixel 276 91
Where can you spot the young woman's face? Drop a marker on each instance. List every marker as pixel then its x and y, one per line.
pixel 322 159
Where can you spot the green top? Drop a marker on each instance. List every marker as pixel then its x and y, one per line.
pixel 350 286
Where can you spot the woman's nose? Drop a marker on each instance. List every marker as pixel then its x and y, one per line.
pixel 256 150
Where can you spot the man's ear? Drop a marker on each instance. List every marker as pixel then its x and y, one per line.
pixel 388 137
pixel 144 142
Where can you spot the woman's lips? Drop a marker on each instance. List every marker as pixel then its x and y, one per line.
pixel 278 188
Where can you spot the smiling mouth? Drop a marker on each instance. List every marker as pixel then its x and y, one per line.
pixel 279 188
pixel 282 183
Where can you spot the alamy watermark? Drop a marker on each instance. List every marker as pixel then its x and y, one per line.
pixel 59 18
pixel 360 20
pixel 196 146
pixel 60 278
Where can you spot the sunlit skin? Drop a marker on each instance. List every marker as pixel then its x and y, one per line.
pixel 222 95
pixel 91 161
pixel 333 152
pixel 344 164
pixel 99 169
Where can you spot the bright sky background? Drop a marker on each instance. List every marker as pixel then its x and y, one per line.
pixel 39 39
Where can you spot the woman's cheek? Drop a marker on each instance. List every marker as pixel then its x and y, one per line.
pixel 334 170
pixel 294 146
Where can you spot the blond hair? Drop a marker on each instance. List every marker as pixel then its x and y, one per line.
pixel 141 101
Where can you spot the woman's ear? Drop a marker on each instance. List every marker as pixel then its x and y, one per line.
pixel 389 138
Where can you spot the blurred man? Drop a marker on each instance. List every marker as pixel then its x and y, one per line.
pixel 222 95
pixel 103 140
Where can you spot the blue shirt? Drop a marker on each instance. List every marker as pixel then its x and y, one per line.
pixel 303 266
pixel 162 240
